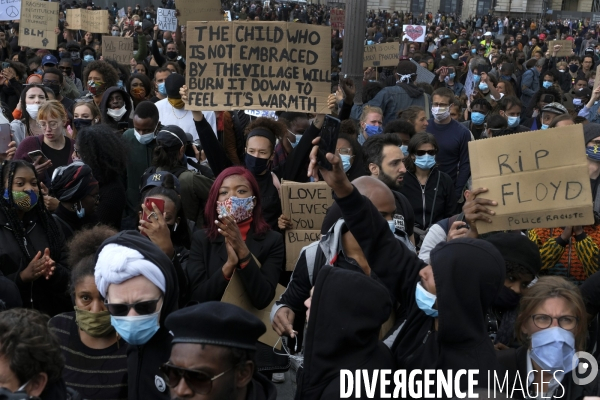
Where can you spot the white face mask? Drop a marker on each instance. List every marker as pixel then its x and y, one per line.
pixel 33 109
pixel 440 113
pixel 117 114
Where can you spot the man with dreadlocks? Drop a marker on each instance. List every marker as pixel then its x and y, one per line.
pixel 31 244
pixel 405 94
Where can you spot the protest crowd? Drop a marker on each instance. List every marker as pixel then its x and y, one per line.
pixel 152 248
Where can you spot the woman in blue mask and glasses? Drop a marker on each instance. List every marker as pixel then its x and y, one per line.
pixel 429 190
pixel 552 326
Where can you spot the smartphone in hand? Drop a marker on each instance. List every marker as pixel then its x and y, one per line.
pixel 328 142
pixel 37 156
pixel 160 203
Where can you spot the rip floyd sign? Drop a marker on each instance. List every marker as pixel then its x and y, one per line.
pixel 539 179
pixel 306 205
pixel 251 66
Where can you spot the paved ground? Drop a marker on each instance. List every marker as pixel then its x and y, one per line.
pixel 287 389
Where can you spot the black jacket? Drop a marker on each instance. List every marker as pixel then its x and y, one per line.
pixel 205 275
pixel 346 314
pixel 468 276
pixel 50 296
pixel 143 361
pixel 106 119
pixel 260 388
pixel 292 170
pixel 515 360
pixel 439 188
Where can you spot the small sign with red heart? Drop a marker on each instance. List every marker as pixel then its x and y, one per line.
pixel 415 33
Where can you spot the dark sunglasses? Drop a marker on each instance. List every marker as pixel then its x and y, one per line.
pixel 199 382
pixel 423 152
pixel 142 307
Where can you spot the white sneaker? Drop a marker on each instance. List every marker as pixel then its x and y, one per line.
pixel 278 377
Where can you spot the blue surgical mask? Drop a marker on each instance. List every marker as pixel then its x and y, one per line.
pixel 506 77
pixel 483 86
pixel 553 349
pixel 80 211
pixel 577 102
pixel 88 58
pixel 143 139
pixel 392 225
pixel 477 118
pixel 473 51
pixel 340 60
pixel 425 301
pixel 120 83
pixel 513 121
pixel 404 149
pixel 455 56
pixel 452 75
pixel 544 126
pixel 547 84
pixel 369 43
pixel 136 330
pixel 476 78
pixel 162 89
pixel 425 161
pixel 346 161
pixel 373 130
pixel 298 137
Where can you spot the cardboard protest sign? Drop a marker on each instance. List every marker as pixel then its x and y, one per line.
pixel 194 10
pixel 258 66
pixel 337 17
pixel 117 48
pixel 38 20
pixel 166 20
pixel 414 33
pixel 10 10
pixel 566 49
pixel 235 294
pixel 306 205
pixel 539 179
pixel 95 21
pixel 381 55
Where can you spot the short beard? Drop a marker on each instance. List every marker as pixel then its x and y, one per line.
pixel 391 183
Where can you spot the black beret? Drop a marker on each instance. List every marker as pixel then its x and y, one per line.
pixel 215 323
pixel 517 248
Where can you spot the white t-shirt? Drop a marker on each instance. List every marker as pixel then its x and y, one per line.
pixel 169 115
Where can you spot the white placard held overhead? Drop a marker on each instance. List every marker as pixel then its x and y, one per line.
pixel 10 10
pixel 166 20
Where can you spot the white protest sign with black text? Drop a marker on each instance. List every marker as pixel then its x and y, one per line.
pixel 166 20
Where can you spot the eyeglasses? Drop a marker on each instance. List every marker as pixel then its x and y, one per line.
pixel 49 82
pixel 51 124
pixel 141 308
pixel 199 382
pixel 346 151
pixel 544 321
pixel 423 152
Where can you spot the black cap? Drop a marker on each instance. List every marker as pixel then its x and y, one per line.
pixel 590 132
pixel 171 136
pixel 156 179
pixel 519 249
pixel 173 83
pixel 215 323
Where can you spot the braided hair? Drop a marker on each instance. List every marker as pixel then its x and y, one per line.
pixel 53 234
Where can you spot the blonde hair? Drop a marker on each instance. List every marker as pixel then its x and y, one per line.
pixel 369 110
pixel 52 109
pixel 548 287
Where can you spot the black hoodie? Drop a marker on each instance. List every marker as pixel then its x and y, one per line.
pixel 143 361
pixel 106 119
pixel 346 314
pixel 468 275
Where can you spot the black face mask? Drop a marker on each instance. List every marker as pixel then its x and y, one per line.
pixel 80 123
pixel 507 298
pixel 520 60
pixel 65 54
pixel 256 165
pixel 172 55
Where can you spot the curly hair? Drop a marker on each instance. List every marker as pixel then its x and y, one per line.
pixel 275 127
pixel 82 249
pixel 29 346
pixel 103 150
pixel 53 234
pixel 109 75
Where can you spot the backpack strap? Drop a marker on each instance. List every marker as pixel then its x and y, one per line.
pixel 276 183
pixel 310 253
